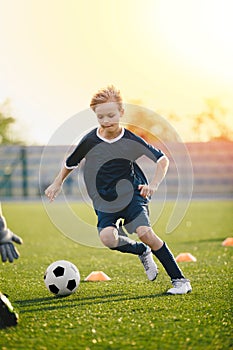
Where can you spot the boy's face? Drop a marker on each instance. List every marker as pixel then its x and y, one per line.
pixel 108 115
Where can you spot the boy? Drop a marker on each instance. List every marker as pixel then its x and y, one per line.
pixel 119 189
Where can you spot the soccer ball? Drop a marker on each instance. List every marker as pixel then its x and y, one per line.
pixel 62 278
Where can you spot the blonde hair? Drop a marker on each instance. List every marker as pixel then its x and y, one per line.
pixel 108 94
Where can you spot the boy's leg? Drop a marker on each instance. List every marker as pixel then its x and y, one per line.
pixel 110 237
pixel 160 250
pixel 113 236
pixel 165 256
pixel 181 285
pixel 146 257
pixel 117 239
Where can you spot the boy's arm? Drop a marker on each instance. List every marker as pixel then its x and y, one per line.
pixel 55 188
pixel 161 170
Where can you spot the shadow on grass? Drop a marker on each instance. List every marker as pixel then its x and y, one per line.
pixel 55 303
pixel 209 240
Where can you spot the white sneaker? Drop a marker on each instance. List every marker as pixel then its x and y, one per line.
pixel 180 286
pixel 149 265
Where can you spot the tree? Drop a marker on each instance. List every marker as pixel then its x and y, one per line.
pixel 148 124
pixel 6 122
pixel 210 124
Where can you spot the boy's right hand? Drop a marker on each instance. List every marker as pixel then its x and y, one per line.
pixel 53 191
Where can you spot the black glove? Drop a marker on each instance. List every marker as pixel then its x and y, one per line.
pixel 7 237
pixel 8 317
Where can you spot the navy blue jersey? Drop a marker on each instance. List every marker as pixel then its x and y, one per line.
pixel 108 162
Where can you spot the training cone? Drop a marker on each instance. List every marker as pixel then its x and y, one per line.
pixel 185 257
pixel 97 276
pixel 228 242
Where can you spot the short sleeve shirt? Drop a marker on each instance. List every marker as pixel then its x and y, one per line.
pixel 110 170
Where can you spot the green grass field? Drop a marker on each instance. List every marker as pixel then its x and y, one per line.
pixel 128 312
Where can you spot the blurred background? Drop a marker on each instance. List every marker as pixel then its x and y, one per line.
pixel 169 58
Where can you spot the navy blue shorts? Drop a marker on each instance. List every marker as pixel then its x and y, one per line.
pixel 135 214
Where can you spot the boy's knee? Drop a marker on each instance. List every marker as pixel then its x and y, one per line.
pixel 109 237
pixel 144 230
pixel 147 236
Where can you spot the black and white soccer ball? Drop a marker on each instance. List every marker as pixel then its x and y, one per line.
pixel 62 278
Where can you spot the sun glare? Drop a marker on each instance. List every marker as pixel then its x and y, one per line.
pixel 196 33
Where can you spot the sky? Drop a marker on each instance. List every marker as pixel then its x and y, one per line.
pixel 169 54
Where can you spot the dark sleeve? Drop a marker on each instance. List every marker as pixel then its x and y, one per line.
pixel 153 153
pixel 77 155
pixel 144 148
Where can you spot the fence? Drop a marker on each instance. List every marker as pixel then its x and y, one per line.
pixel 212 165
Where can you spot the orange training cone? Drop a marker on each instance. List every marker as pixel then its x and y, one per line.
pixel 185 257
pixel 228 242
pixel 97 276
